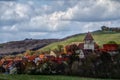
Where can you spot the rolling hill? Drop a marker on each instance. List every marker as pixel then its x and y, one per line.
pixel 16 47
pixel 99 36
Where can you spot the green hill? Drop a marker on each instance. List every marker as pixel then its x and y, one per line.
pixel 99 36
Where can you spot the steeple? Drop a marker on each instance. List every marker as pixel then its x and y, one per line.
pixel 88 37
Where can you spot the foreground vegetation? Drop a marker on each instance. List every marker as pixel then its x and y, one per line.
pixel 101 65
pixel 99 36
pixel 43 77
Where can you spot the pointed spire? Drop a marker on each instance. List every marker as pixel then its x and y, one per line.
pixel 88 37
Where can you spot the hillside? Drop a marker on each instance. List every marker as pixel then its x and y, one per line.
pixel 99 36
pixel 16 47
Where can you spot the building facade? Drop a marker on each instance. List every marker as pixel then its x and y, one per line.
pixel 89 43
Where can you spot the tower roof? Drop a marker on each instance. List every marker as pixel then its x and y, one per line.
pixel 88 36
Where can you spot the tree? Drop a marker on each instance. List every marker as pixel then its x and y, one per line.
pixel 60 47
pixel 103 28
pixel 112 42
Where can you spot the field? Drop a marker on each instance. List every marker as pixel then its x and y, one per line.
pixel 99 36
pixel 43 77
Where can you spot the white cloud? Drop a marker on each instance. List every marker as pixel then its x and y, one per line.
pixel 94 10
pixel 57 19
pixel 15 11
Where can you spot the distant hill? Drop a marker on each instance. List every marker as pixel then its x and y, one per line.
pixel 100 37
pixel 16 47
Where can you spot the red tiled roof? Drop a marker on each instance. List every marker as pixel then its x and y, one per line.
pixel 88 36
pixel 31 58
pixel 110 47
pixel 81 46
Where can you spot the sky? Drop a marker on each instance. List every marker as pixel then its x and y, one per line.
pixel 45 19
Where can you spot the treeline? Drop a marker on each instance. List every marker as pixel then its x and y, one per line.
pixel 110 29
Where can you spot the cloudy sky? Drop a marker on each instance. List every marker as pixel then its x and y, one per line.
pixel 43 19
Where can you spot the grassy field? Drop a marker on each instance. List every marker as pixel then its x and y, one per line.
pixel 100 38
pixel 43 77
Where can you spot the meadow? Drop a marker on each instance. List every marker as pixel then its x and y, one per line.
pixel 43 77
pixel 99 37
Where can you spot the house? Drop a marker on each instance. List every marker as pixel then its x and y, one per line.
pixel 81 54
pixel 111 48
pixel 41 56
pixel 31 58
pixel 52 53
pixel 70 49
pixel 18 59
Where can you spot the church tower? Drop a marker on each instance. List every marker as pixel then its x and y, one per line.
pixel 89 43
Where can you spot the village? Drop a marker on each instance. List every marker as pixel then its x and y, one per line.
pixel 85 58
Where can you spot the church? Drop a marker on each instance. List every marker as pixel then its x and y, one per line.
pixel 88 43
pixel 87 46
